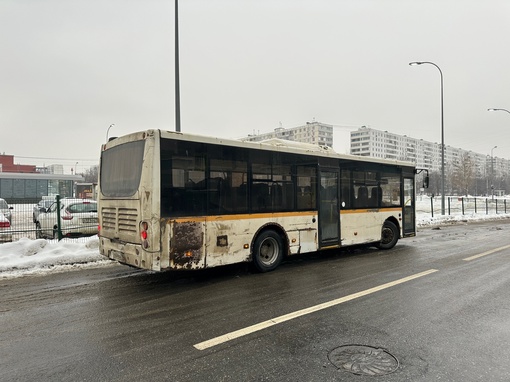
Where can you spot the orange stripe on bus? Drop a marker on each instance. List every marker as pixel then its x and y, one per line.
pixel 276 215
pixel 246 216
pixel 359 211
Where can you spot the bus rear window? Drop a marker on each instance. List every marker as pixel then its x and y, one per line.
pixel 121 169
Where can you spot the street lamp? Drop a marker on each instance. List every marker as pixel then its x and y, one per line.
pixel 492 160
pixel 498 110
pixel 107 131
pixel 442 131
pixel 492 171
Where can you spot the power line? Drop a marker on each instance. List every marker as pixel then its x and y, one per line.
pixel 59 159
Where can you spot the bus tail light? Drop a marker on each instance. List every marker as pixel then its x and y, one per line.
pixel 144 228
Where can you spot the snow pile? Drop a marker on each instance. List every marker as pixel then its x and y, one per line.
pixel 32 257
pixel 27 256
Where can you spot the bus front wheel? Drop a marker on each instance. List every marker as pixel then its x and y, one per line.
pixel 389 235
pixel 267 251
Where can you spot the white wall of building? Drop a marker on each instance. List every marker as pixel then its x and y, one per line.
pixel 382 144
pixel 316 133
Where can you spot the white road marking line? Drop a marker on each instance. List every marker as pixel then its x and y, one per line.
pixel 286 317
pixel 486 253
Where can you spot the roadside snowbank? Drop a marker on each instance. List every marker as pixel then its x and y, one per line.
pixel 29 257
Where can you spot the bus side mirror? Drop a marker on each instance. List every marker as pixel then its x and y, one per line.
pixel 426 182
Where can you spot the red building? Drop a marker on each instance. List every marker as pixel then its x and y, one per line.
pixel 7 165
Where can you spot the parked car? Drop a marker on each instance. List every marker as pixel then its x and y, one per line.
pixel 42 206
pixel 78 217
pixel 5 210
pixel 5 229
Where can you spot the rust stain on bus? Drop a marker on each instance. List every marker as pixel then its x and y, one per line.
pixel 186 244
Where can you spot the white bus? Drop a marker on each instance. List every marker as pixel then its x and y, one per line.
pixel 170 200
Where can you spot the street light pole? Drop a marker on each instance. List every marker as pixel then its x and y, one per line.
pixel 177 82
pixel 442 132
pixel 492 159
pixel 492 171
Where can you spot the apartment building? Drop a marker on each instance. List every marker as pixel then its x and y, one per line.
pixel 312 132
pixel 382 144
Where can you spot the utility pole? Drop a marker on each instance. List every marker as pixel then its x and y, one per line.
pixel 177 84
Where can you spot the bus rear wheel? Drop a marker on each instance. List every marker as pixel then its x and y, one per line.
pixel 389 235
pixel 267 251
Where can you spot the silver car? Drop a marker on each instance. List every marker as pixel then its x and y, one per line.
pixel 78 217
pixel 42 206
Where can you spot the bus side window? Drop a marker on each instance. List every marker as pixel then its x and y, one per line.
pixel 288 196
pixel 346 191
pixel 260 197
pixel 276 196
pixel 195 198
pixel 345 197
pixel 305 198
pixel 362 199
pixel 241 195
pixel 306 187
pixel 217 195
pixel 376 196
pixel 391 190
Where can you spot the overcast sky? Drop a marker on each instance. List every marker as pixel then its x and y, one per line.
pixel 71 68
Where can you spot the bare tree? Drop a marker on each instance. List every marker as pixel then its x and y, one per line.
pixel 91 175
pixel 434 183
pixel 463 176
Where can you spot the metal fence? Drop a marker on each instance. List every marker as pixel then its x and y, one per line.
pixel 25 223
pixel 461 205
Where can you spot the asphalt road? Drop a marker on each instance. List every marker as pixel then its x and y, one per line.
pixel 435 308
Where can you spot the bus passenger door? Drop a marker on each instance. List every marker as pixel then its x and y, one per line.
pixel 409 205
pixel 329 211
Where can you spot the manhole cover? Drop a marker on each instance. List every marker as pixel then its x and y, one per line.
pixel 363 360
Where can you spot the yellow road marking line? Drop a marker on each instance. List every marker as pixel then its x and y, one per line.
pixel 286 317
pixel 486 253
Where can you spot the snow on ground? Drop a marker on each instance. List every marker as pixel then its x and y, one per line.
pixel 427 220
pixel 30 257
pixel 34 257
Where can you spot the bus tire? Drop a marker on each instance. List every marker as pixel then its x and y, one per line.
pixel 267 251
pixel 389 235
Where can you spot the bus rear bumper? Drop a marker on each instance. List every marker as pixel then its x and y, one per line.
pixel 128 253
